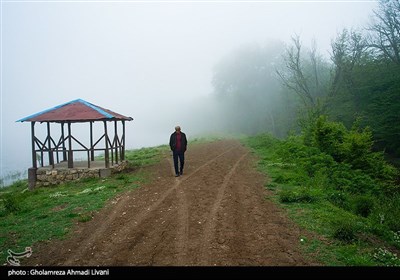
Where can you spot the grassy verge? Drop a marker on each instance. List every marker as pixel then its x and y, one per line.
pixel 27 217
pixel 350 228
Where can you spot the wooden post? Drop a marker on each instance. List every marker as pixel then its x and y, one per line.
pixel 70 153
pixel 91 142
pixel 63 142
pixel 34 160
pixel 115 141
pixel 106 155
pixel 88 162
pixel 123 141
pixel 51 159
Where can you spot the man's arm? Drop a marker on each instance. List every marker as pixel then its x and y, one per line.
pixel 185 142
pixel 171 142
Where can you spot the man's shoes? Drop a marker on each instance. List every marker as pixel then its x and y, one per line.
pixel 177 175
pixel 181 173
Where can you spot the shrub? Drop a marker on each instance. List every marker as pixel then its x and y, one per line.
pixel 356 147
pixel 345 231
pixel 353 181
pixel 352 147
pixel 292 149
pixel 363 205
pixel 381 169
pixel 339 199
pixel 315 161
pixel 11 204
pixel 387 212
pixel 328 137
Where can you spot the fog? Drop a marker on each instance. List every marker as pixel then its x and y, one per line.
pixel 150 60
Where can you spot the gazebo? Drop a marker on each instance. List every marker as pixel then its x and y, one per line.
pixel 65 169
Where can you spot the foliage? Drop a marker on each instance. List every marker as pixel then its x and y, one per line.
pixel 387 212
pixel 352 147
pixel 345 231
pixel 330 196
pixel 363 205
pixel 385 257
pixel 11 204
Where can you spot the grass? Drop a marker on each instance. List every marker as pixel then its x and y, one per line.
pixel 28 217
pixel 339 236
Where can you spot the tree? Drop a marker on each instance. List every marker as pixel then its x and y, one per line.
pixel 347 52
pixel 349 56
pixel 307 77
pixel 385 30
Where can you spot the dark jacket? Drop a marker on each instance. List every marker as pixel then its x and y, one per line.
pixel 172 141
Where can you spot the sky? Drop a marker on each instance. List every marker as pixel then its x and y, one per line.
pixel 150 60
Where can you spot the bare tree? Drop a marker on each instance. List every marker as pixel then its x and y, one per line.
pixel 303 73
pixel 293 75
pixel 385 29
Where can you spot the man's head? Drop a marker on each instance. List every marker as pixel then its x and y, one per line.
pixel 177 128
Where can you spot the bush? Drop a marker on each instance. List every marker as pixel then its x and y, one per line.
pixel 387 212
pixel 356 148
pixel 338 199
pixel 343 178
pixel 11 204
pixel 363 205
pixel 353 148
pixel 345 231
pixel 380 169
pixel 292 149
pixel 315 161
pixel 328 137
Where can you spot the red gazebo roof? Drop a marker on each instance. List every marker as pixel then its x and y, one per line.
pixel 75 111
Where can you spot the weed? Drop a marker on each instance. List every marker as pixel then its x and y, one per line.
pixel 11 204
pixel 345 232
pixel 83 218
pixel 363 205
pixel 385 257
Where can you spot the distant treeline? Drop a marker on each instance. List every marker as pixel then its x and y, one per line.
pixel 280 87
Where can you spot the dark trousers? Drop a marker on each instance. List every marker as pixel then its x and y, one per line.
pixel 181 156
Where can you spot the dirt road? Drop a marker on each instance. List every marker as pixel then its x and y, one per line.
pixel 215 214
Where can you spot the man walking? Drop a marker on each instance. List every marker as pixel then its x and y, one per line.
pixel 178 145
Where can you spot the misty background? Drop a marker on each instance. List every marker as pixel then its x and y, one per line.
pixel 162 63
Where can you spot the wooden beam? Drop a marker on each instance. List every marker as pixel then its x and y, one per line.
pixel 106 154
pixel 70 153
pixel 91 142
pixel 115 141
pixel 51 159
pixel 34 160
pixel 63 142
pixel 123 141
